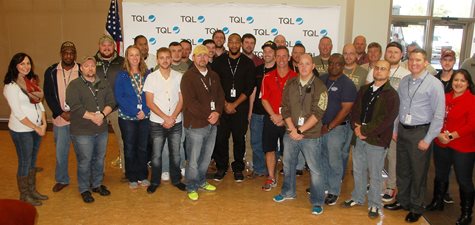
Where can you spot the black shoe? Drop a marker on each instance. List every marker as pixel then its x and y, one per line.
pixel 331 199
pixel 308 190
pixel 152 188
pixel 238 177
pixel 393 206
pixel 413 217
pixel 181 186
pixel 87 197
pixel 59 186
pixel 102 190
pixel 299 173
pixel 219 175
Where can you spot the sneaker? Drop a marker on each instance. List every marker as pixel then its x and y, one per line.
pixel 193 195
pixel 238 177
pixel 388 195
pixel 133 185
pixel 373 212
pixel 299 173
pixel 165 176
pixel 317 210
pixel 281 198
pixel 149 164
pixel 144 183
pixel 308 190
pixel 348 204
pixel 281 171
pixel 219 175
pixel 181 186
pixel 269 184
pixel 208 187
pixel 448 199
pixel 87 197
pixel 331 199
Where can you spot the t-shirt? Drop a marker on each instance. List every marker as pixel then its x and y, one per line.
pixel 260 71
pixel 181 68
pixel 339 90
pixel 357 75
pixel 395 76
pixel 321 65
pixel 166 93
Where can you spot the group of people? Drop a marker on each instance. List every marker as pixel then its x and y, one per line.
pixel 178 114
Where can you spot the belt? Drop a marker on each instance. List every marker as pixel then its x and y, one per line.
pixel 344 123
pixel 415 126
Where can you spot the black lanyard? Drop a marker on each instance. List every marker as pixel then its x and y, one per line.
pixel 105 69
pixel 408 92
pixel 94 93
pixel 374 96
pixel 233 72
pixel 308 89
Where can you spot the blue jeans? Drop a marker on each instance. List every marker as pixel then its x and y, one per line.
pixel 62 140
pixel 199 148
pixel 135 137
pixel 346 149
pixel 165 153
pixel 90 152
pixel 172 136
pixel 333 146
pixel 368 160
pixel 301 161
pixel 312 151
pixel 27 145
pixel 258 158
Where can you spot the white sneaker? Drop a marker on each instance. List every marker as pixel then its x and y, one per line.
pixel 144 183
pixel 165 176
pixel 183 171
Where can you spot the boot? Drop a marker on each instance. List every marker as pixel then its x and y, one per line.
pixel 466 202
pixel 32 186
pixel 24 191
pixel 440 188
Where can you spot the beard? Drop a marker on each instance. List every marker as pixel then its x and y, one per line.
pixel 234 52
pixel 108 55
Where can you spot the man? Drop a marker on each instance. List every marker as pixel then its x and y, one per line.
pixel 279 40
pixel 142 44
pixel 91 100
pixel 360 45
pixel 393 55
pixel 411 47
pixel 219 38
pixel 273 128
pixel 236 72
pixel 163 97
pixel 177 51
pixel 447 61
pixel 248 45
pixel 257 111
pixel 203 102
pixel 421 115
pixel 325 46
pixel 211 49
pixel 374 55
pixel 57 78
pixel 355 72
pixel 469 65
pixel 185 54
pixel 297 51
pixel 372 118
pixel 304 102
pixel 336 128
pixel 108 65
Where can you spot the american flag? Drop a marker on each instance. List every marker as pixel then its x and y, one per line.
pixel 113 26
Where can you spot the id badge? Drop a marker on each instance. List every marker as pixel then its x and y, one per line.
pixel 408 119
pixel 139 106
pixel 213 106
pixel 66 107
pixel 301 121
pixel 233 93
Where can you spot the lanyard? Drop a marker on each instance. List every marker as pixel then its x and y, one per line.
pixel 408 92
pixel 233 72
pixel 139 85
pixel 374 95
pixel 94 93
pixel 204 84
pixel 323 64
pixel 308 89
pixel 64 77
pixel 392 75
pixel 105 69
pixel 326 83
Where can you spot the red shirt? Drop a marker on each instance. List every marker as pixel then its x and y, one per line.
pixel 460 117
pixel 273 86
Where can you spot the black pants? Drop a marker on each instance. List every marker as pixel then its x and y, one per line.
pixel 411 168
pixel 235 124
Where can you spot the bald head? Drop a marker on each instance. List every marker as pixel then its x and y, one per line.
pixel 279 40
pixel 306 66
pixel 360 44
pixel 349 53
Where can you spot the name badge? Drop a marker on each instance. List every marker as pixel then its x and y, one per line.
pixel 213 106
pixel 408 119
pixel 139 106
pixel 233 93
pixel 301 121
pixel 66 107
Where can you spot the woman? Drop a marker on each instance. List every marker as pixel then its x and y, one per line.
pixel 90 100
pixel 456 144
pixel 133 116
pixel 27 122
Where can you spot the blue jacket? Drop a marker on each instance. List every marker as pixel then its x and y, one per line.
pixel 126 97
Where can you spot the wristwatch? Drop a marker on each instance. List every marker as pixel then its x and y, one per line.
pixel 299 132
pixel 451 137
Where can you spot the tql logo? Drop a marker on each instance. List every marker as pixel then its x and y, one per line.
pixel 168 30
pixel 290 21
pixel 239 19
pixel 265 32
pixel 211 30
pixel 143 19
pixel 192 19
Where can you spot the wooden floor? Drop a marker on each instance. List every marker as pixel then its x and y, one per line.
pixel 232 203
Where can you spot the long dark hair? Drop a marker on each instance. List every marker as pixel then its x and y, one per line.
pixel 12 73
pixel 466 75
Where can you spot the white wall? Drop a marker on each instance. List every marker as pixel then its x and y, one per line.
pixel 371 19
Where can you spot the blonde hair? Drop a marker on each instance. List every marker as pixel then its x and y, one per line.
pixel 126 66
